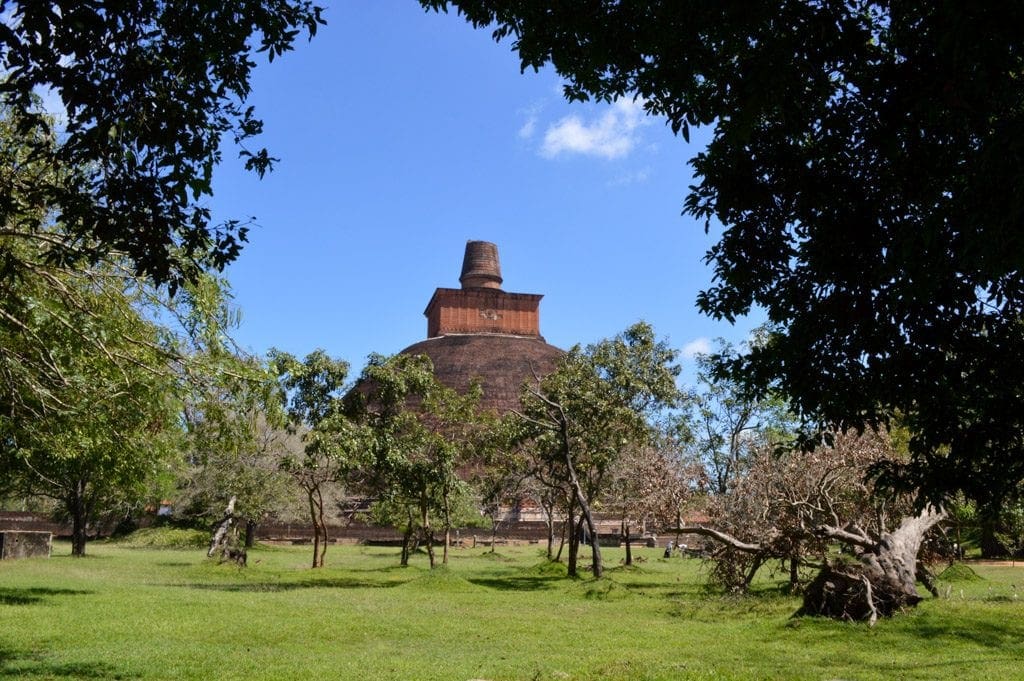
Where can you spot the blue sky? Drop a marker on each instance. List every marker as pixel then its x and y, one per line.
pixel 404 134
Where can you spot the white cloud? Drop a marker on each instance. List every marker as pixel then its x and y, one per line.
pixel 526 132
pixel 612 135
pixel 531 116
pixel 698 346
pixel 631 177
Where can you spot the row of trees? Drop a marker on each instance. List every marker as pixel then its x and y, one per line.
pixel 894 301
pixel 182 414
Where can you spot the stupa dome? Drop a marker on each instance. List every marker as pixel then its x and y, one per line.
pixel 481 332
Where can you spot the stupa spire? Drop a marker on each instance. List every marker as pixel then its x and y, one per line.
pixel 480 266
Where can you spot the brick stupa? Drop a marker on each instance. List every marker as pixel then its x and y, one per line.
pixel 480 331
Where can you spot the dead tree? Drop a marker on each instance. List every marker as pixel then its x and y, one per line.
pixel 878 581
pixel 882 580
pixel 224 542
pixel 796 507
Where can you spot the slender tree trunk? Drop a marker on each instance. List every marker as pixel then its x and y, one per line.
pixel 407 542
pixel 574 547
pixel 447 529
pixel 79 519
pixel 549 518
pixel 250 533
pixel 428 536
pixel 629 548
pixel 595 547
pixel 321 527
pixel 316 528
pixel 567 522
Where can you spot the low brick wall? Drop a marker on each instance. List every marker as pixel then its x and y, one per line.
pixel 16 544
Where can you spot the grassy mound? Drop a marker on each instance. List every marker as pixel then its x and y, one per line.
pixel 548 568
pixel 166 538
pixel 440 579
pixel 959 572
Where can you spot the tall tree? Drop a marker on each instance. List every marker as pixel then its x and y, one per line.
pixel 148 92
pixel 419 433
pixel 312 391
pixel 108 422
pixel 236 440
pixel 865 161
pixel 597 403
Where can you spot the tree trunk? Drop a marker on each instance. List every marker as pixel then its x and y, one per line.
pixel 549 521
pixel 313 519
pixel 629 549
pixel 595 548
pixel 989 542
pixel 574 547
pixel 428 535
pixel 406 545
pixel 752 571
pixel 250 533
pixel 79 519
pixel 566 524
pixel 219 540
pixel 883 579
pixel 321 527
pixel 447 529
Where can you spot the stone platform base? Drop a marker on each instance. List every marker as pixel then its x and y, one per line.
pixel 18 544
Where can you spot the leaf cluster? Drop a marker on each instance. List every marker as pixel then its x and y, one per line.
pixel 149 91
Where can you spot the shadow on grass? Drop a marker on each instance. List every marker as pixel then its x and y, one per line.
pixel 32 596
pixel 518 583
pixel 898 670
pixel 19 664
pixel 1007 632
pixel 339 583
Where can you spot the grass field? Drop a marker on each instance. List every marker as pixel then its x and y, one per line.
pixel 131 613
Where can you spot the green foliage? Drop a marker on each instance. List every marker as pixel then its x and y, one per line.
pixel 236 442
pixel 417 434
pixel 149 91
pixel 90 403
pixel 95 362
pixel 864 161
pixel 729 424
pixel 600 402
pixel 311 391
pixel 600 399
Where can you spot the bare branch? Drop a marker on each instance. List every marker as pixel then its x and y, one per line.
pixel 718 536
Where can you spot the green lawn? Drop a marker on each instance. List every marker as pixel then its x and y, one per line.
pixel 125 613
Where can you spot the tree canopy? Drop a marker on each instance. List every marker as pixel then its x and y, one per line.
pixel 865 161
pixel 149 92
pixel 598 404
